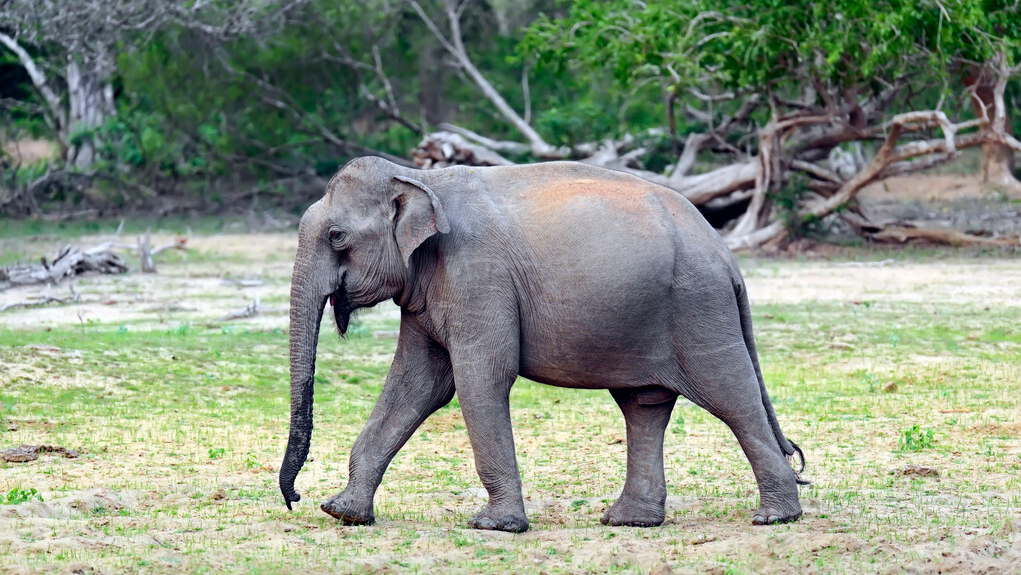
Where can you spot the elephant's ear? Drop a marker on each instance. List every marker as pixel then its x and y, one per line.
pixel 418 216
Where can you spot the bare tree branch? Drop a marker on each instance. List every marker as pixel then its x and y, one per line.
pixel 817 171
pixel 455 47
pixel 496 145
pixel 388 106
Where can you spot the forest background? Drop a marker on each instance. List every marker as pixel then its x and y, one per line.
pixel 770 116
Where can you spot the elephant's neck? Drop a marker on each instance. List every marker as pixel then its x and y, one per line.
pixel 421 271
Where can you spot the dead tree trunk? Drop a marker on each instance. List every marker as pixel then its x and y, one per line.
pixel 90 103
pixel 70 261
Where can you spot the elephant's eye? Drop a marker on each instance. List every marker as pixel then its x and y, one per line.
pixel 337 239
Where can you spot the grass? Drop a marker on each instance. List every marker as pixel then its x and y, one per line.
pixel 182 428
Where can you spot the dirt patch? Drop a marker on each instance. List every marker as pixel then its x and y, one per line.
pixel 978 281
pixel 916 471
pixel 926 187
pixel 209 282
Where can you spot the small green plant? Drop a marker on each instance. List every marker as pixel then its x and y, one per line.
pixel 915 438
pixel 216 452
pixel 871 381
pixel 19 495
pixel 677 427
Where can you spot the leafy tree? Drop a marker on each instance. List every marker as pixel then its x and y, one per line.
pixel 775 111
pixel 81 41
pixel 815 75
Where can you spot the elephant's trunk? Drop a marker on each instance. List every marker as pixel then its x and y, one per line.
pixel 306 315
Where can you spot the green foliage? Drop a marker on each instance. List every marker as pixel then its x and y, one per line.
pixel 251 460
pixel 774 46
pixel 915 438
pixel 260 112
pixel 24 174
pixel 21 495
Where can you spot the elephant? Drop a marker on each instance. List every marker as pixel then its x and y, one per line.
pixel 561 272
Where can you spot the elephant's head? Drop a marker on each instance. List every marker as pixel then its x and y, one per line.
pixel 354 248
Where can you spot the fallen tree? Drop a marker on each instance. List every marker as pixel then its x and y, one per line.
pixel 69 261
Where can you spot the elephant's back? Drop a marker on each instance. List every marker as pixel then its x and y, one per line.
pixel 570 204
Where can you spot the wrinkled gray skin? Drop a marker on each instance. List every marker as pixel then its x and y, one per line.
pixel 564 273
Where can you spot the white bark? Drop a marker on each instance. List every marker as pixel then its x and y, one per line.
pixel 998 156
pixel 985 85
pixel 90 103
pixel 70 261
pixel 88 33
pixel 440 149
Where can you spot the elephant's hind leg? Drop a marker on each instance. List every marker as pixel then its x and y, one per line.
pixel 778 491
pixel 725 384
pixel 642 503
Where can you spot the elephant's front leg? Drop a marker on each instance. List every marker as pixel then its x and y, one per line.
pixel 642 503
pixel 420 382
pixel 484 375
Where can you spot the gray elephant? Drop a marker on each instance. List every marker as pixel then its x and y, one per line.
pixel 564 273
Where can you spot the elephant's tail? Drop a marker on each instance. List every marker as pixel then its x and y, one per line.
pixel 789 448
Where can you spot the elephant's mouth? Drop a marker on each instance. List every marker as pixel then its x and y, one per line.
pixel 341 309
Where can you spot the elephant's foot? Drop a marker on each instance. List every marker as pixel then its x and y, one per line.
pixel 630 512
pixel 349 510
pixel 772 514
pixel 499 520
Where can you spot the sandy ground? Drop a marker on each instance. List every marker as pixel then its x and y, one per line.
pixel 29 150
pixel 988 280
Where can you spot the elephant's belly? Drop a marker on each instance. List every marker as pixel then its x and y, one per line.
pixel 597 353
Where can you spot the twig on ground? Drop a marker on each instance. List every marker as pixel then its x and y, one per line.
pixel 247 311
